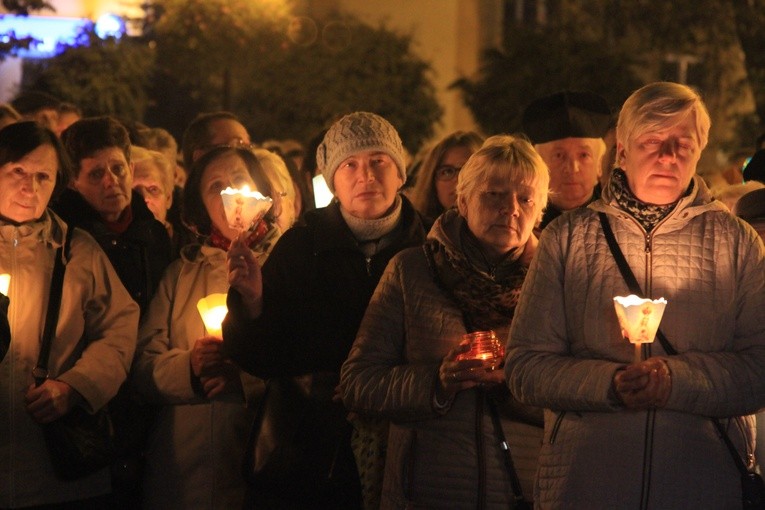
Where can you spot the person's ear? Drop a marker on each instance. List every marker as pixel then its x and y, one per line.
pixel 462 206
pixel 621 154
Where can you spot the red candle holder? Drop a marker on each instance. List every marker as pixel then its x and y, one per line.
pixel 484 345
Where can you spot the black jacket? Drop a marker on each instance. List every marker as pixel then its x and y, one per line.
pixel 139 255
pixel 316 287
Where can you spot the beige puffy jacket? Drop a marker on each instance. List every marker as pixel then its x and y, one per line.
pixel 94 346
pixel 197 445
pixel 448 458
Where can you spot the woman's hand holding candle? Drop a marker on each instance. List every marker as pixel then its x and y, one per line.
pixel 455 375
pixel 644 385
pixel 245 276
pixel 226 381
pixel 206 358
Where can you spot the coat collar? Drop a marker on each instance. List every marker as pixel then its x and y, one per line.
pixel 699 201
pixel 332 233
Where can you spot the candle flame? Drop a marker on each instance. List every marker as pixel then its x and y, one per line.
pixel 5 282
pixel 213 310
pixel 244 191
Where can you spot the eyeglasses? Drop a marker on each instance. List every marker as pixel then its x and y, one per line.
pixel 235 143
pixel 447 172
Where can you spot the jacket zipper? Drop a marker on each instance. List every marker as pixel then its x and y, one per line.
pixel 481 461
pixel 369 266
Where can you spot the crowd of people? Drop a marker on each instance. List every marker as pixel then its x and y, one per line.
pixel 343 375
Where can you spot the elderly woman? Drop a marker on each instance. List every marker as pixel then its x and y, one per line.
pixel 436 187
pixel 299 316
pixel 96 330
pixel 206 404
pixel 444 446
pixel 621 433
pixel 100 199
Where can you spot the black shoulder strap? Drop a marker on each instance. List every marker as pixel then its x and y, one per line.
pixel 514 481
pixel 634 287
pixel 40 372
pixel 628 275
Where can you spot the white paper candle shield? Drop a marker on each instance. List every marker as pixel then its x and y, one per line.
pixel 639 318
pixel 244 207
pixel 5 282
pixel 213 310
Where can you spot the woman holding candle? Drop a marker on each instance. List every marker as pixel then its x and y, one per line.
pixel 406 363
pixel 95 335
pixel 621 434
pixel 299 316
pixel 206 404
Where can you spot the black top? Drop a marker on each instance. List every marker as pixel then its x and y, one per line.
pixel 316 287
pixel 139 255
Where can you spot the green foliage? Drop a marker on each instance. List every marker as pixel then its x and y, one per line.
pixel 537 62
pixel 100 76
pixel 298 90
pixel 220 55
pixel 750 20
pixel 202 39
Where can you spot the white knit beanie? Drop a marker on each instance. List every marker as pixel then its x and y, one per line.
pixel 356 132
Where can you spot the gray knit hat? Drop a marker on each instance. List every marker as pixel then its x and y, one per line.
pixel 356 132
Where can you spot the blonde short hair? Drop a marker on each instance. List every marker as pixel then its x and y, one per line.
pixel 141 156
pixel 509 157
pixel 660 105
pixel 277 173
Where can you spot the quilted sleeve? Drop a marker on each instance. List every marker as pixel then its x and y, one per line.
pixel 377 379
pixel 540 367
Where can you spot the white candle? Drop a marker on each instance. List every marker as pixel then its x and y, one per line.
pixel 244 207
pixel 213 310
pixel 639 319
pixel 5 282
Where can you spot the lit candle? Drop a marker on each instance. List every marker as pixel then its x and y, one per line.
pixel 213 310
pixel 321 194
pixel 639 319
pixel 484 345
pixel 5 282
pixel 244 207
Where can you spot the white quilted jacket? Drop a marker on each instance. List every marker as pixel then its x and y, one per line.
pixel 565 345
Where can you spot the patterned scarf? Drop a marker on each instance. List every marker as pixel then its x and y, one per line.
pixel 648 215
pixel 487 300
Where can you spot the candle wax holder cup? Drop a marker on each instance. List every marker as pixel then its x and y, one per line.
pixel 244 207
pixel 213 310
pixel 639 319
pixel 484 345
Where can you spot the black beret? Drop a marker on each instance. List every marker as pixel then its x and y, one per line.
pixel 751 205
pixel 755 169
pixel 566 115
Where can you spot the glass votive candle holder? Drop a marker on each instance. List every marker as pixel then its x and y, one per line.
pixel 484 345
